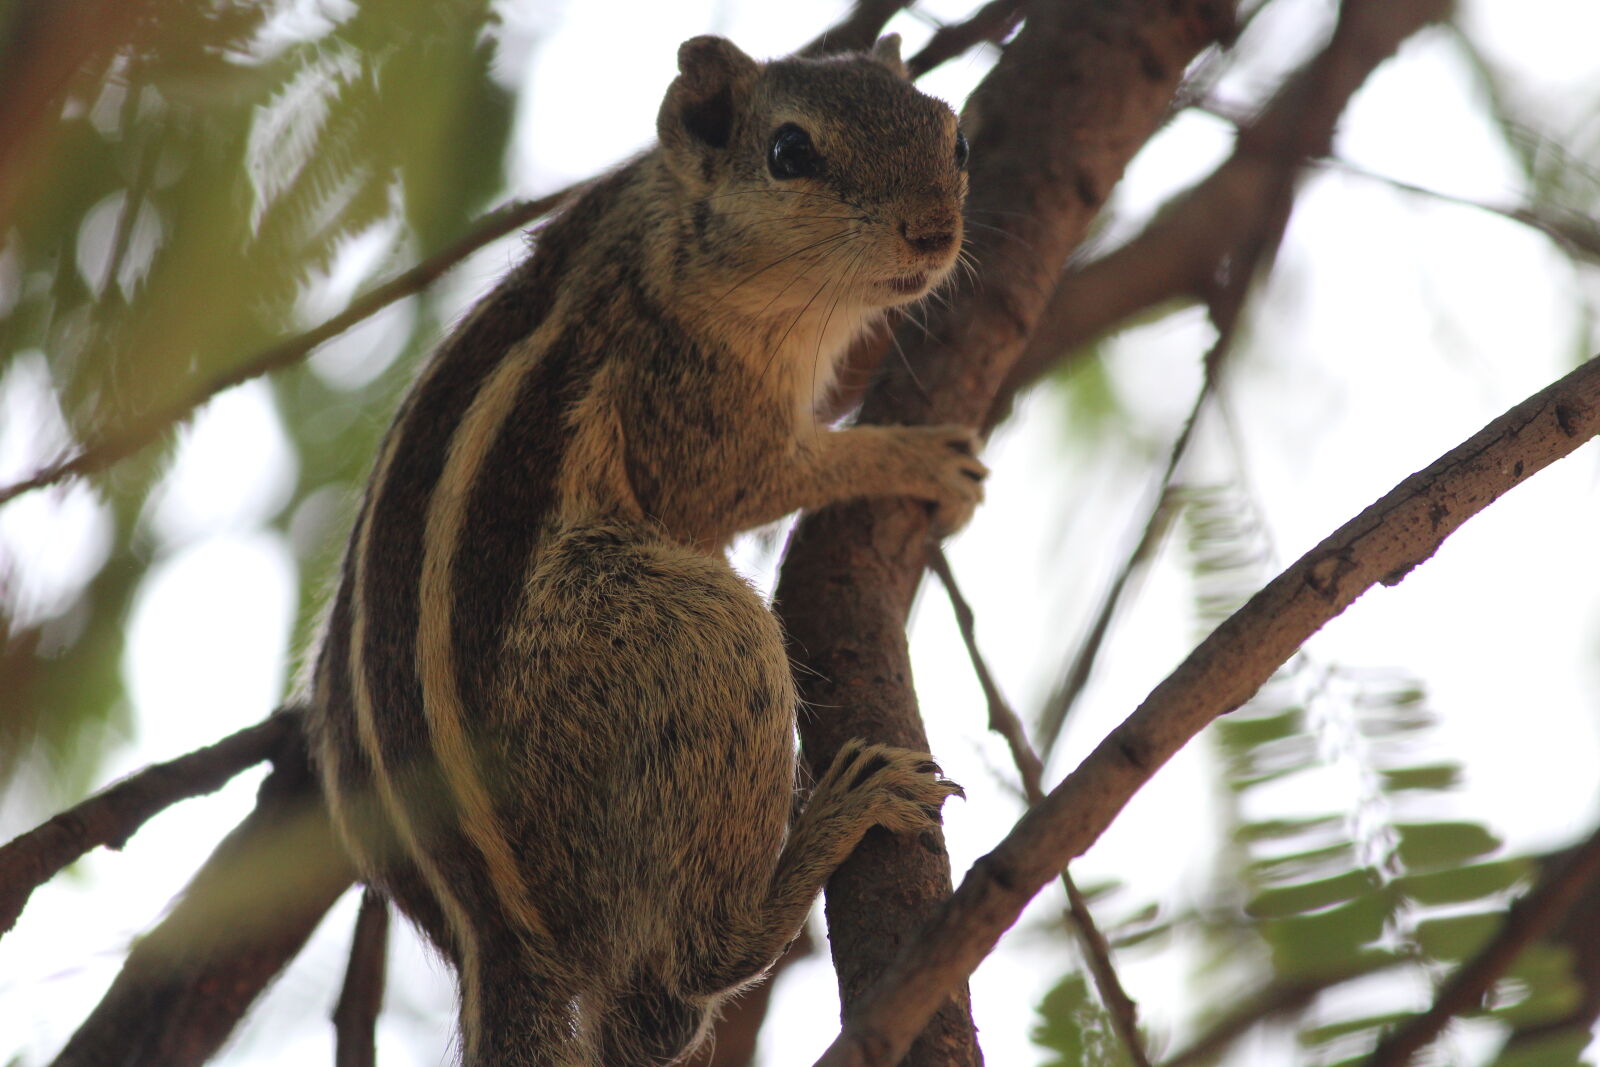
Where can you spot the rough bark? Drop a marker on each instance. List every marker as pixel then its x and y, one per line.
pixel 1078 91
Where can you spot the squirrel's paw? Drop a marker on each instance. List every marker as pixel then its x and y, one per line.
pixel 902 790
pixel 947 465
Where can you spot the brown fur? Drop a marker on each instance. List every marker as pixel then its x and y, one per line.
pixel 553 725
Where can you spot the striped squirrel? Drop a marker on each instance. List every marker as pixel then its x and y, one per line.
pixel 553 726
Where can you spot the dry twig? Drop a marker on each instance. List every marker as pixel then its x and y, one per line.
pixel 355 1016
pixel 1004 721
pixel 1380 545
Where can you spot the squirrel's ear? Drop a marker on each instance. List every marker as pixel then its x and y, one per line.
pixel 887 52
pixel 699 106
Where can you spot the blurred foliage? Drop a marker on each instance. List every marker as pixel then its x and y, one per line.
pixel 1074 1027
pixel 1339 864
pixel 177 181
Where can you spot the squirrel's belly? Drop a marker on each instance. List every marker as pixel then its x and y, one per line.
pixel 648 711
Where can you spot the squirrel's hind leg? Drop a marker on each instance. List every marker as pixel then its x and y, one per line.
pixel 865 786
pixel 650 1028
pixel 517 1015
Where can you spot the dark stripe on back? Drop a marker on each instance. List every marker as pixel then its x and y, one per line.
pixel 397 511
pixel 507 512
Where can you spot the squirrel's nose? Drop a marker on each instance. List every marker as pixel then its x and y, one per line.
pixel 928 237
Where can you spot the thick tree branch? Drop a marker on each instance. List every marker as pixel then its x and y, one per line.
pixel 1075 94
pixel 113 815
pixel 241 919
pixel 1185 248
pixel 355 1016
pixel 1382 544
pixel 117 444
pixel 1529 919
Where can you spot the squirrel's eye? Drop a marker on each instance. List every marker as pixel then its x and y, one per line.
pixel 792 154
pixel 961 150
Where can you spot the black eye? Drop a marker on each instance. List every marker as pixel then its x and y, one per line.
pixel 961 150
pixel 792 154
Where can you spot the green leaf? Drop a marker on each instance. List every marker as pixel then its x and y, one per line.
pixel 1257 730
pixel 1273 829
pixel 1302 866
pixel 1443 844
pixel 1464 883
pixel 1322 1035
pixel 1563 1048
pixel 1437 776
pixel 1456 937
pixel 1310 896
pixel 1073 1026
pixel 1327 941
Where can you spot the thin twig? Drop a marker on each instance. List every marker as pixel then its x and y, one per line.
pixel 117 444
pixel 992 22
pixel 1381 545
pixel 1250 256
pixel 1003 720
pixel 355 1017
pixel 1061 702
pixel 1526 921
pixel 113 815
pixel 1577 234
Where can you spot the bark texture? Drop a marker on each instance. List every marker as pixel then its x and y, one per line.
pixel 1075 95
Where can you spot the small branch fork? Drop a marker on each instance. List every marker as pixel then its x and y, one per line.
pixel 113 815
pixel 1379 546
pixel 1004 721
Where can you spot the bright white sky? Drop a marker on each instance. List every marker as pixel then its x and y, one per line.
pixel 1397 327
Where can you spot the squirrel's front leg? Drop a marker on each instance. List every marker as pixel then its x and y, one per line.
pixel 865 786
pixel 936 464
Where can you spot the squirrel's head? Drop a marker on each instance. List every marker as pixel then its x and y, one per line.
pixel 836 169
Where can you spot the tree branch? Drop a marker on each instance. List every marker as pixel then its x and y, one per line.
pixel 1183 249
pixel 113 815
pixel 1382 544
pixel 119 443
pixel 242 918
pixel 355 1016
pixel 1529 919
pixel 1075 94
pixel 992 22
pixel 857 31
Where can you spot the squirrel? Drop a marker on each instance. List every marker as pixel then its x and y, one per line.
pixel 553 726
